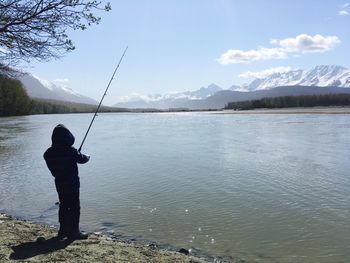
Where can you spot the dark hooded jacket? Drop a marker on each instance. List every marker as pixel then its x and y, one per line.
pixel 62 158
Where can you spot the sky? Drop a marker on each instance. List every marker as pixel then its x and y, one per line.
pixel 188 44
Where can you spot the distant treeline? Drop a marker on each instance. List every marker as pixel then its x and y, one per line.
pixel 292 101
pixel 14 101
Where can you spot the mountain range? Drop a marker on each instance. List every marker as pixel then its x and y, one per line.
pixel 42 89
pixel 318 80
pixel 322 76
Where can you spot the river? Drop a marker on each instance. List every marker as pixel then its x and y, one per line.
pixel 260 187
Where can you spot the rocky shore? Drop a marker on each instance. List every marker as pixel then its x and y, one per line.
pixel 29 242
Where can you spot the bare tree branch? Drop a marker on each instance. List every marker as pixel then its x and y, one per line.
pixel 37 29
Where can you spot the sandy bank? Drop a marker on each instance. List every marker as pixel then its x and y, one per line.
pixel 19 241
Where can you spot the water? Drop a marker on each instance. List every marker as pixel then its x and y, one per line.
pixel 264 188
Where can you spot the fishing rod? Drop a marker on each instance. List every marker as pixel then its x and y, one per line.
pixel 105 93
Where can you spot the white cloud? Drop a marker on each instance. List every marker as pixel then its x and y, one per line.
pixel 61 80
pixel 236 56
pixel 264 73
pixel 61 83
pixel 345 5
pixel 302 43
pixel 305 43
pixel 343 13
pixel 131 97
pixel 136 97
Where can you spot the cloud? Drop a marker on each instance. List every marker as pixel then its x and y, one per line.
pixel 61 83
pixel 61 80
pixel 343 13
pixel 302 43
pixel 264 73
pixel 136 97
pixel 306 44
pixel 235 56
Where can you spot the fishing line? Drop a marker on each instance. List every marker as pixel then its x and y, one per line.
pixel 104 94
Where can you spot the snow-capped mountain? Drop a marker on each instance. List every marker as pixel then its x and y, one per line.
pixel 321 76
pixel 141 100
pixel 43 89
pixel 203 92
pixel 288 82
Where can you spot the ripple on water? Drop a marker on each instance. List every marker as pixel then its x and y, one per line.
pixel 264 188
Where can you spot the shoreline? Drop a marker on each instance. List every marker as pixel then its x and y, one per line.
pixel 299 110
pixel 291 110
pixel 35 242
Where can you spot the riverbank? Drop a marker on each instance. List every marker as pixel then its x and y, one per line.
pixel 308 110
pixel 30 242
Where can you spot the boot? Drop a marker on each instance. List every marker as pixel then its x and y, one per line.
pixel 63 232
pixel 77 235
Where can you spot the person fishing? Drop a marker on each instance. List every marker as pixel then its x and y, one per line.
pixel 61 159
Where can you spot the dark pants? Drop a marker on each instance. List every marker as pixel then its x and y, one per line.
pixel 69 213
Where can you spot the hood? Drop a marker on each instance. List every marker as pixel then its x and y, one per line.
pixel 61 136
